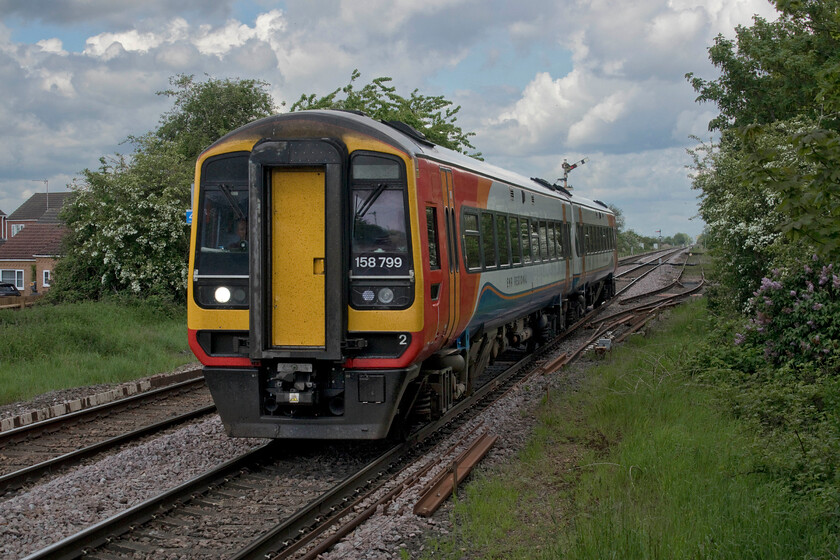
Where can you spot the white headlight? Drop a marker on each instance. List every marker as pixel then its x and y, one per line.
pixel 222 295
pixel 386 295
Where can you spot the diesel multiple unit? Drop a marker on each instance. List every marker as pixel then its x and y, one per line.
pixel 348 276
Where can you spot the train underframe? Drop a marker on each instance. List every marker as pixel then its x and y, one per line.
pixel 322 400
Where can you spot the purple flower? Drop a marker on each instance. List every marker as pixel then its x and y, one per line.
pixel 814 258
pixel 810 287
pixel 817 306
pixel 807 269
pixel 739 339
pixel 835 281
pixel 824 275
pixel 793 293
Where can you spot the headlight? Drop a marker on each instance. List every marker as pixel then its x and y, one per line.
pixel 385 295
pixel 222 294
pixel 231 294
pixel 392 296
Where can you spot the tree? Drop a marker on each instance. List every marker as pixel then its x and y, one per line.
pixel 682 239
pixel 128 232
pixel 779 91
pixel 205 111
pixel 434 116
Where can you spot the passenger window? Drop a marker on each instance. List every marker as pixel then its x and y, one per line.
pixel 472 242
pixel 432 231
pixel 502 238
pixel 544 241
pixel 514 239
pixel 535 242
pixel 488 236
pixel 525 236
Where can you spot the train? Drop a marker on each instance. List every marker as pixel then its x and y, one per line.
pixel 349 278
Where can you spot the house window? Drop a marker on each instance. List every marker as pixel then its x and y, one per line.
pixel 12 277
pixel 16 228
pixel 47 277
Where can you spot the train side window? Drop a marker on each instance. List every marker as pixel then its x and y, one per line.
pixel 535 242
pixel 552 241
pixel 488 240
pixel 546 242
pixel 513 230
pixel 472 242
pixel 432 231
pixel 503 239
pixel 525 239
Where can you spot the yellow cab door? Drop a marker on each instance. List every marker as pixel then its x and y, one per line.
pixel 298 307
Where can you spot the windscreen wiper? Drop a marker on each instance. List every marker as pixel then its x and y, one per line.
pixel 240 215
pixel 371 198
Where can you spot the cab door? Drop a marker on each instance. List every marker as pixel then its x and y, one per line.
pixel 298 306
pixel 450 261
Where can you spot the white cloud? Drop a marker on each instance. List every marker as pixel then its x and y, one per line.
pixel 54 46
pixel 619 95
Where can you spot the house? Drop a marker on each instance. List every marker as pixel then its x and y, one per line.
pixel 33 235
pixel 40 208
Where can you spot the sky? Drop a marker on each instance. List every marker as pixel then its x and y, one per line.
pixel 538 81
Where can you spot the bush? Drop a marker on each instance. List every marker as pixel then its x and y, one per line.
pixel 795 315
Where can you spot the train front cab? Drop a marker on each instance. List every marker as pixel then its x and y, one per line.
pixel 318 304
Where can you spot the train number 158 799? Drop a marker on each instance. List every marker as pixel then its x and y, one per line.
pixel 379 262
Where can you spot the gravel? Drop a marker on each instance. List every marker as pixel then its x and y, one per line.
pixel 65 505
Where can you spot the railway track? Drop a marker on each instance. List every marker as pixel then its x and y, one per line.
pixel 30 452
pixel 281 499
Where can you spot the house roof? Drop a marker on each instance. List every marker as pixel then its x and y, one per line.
pixel 39 204
pixel 34 239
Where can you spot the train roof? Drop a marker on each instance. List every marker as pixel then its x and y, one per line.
pixel 408 140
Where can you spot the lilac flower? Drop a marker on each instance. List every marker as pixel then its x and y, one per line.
pixel 835 281
pixel 814 258
pixel 817 306
pixel 807 269
pixel 824 276
pixel 793 293
pixel 810 287
pixel 739 339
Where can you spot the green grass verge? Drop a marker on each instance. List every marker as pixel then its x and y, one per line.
pixel 50 347
pixel 642 462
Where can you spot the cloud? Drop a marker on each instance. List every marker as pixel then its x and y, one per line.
pixel 113 12
pixel 537 81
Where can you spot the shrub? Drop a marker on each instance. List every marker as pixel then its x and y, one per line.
pixel 795 315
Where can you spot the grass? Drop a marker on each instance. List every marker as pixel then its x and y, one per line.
pixel 49 347
pixel 641 463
